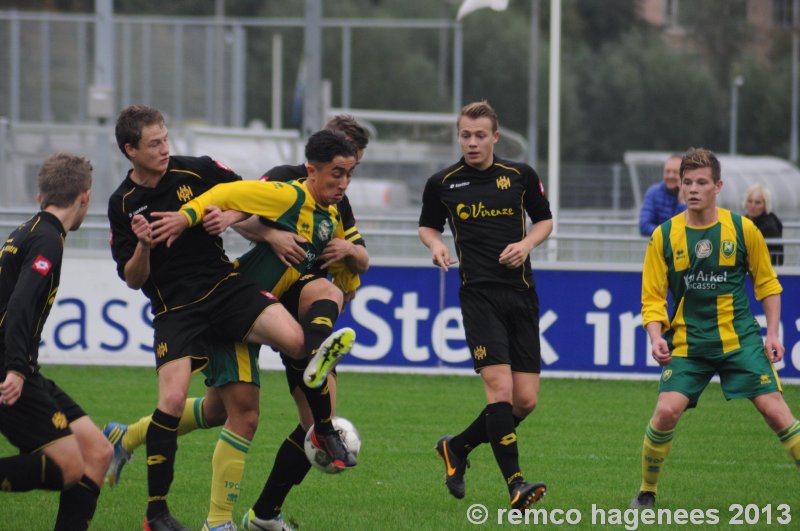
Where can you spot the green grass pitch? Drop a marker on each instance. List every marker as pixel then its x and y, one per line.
pixel 583 440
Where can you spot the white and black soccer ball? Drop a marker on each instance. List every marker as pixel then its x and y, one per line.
pixel 319 459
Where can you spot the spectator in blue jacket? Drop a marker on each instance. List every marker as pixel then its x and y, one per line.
pixel 661 200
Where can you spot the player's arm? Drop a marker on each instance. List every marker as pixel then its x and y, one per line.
pixel 654 297
pixel 515 254
pixel 431 225
pixel 538 209
pixel 772 343
pixel 766 286
pixel 137 268
pixel 355 256
pixel 216 220
pixel 285 244
pixel 34 284
pixel 440 253
pixel 765 280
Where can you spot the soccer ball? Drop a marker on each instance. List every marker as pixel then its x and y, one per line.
pixel 319 459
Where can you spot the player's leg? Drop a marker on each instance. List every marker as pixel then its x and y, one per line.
pixel 78 503
pixel 657 444
pixel 227 465
pixel 49 457
pixel 198 413
pixel 500 427
pixel 318 305
pixel 161 439
pixel 748 373
pixel 291 464
pixel 779 417
pixel 681 384
pixel 276 328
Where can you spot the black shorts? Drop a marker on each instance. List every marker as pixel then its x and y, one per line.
pixel 226 314
pixel 41 416
pixel 502 327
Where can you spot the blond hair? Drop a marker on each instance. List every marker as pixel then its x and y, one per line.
pixel 765 193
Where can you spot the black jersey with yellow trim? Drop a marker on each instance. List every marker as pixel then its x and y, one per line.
pixel 30 272
pixel 486 212
pixel 196 262
pixel 289 172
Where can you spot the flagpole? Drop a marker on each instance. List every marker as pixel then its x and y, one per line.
pixel 554 125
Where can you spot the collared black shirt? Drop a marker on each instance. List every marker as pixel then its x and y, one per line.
pixel 194 265
pixel 30 271
pixel 486 212
pixel 288 173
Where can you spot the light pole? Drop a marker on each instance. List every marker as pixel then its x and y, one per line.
pixel 737 82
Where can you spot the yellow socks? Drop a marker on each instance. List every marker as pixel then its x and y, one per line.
pixel 191 419
pixel 790 438
pixel 655 449
pixel 227 468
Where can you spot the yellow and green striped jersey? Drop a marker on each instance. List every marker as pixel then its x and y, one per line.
pixel 291 207
pixel 704 270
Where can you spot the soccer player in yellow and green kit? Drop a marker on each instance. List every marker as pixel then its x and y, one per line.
pixel 701 257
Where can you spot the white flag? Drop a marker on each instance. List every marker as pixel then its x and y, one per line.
pixel 468 6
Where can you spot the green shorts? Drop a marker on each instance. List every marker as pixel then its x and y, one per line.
pixel 744 373
pixel 231 363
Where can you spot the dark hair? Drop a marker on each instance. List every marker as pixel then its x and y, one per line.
pixel 62 178
pixel 325 145
pixel 479 109
pixel 130 123
pixel 696 158
pixel 353 130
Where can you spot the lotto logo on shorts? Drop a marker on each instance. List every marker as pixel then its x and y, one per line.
pixel 41 265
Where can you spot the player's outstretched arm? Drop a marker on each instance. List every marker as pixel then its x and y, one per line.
pixel 216 220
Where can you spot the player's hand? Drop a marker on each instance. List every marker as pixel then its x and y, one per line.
pixel 441 256
pixel 335 250
pixel 168 226
pixel 216 220
pixel 661 351
pixel 285 245
pixel 142 230
pixel 514 255
pixel 11 388
pixel 774 349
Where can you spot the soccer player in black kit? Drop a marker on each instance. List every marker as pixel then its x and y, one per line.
pixel 60 447
pixel 484 199
pixel 195 293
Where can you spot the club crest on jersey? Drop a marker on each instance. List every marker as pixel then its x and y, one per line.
pixel 728 248
pixel 703 249
pixel 503 182
pixel 324 230
pixel 185 193
pixel 41 265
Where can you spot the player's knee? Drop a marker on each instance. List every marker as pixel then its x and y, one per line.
pixel 525 406
pixel 72 468
pixel 666 416
pixel 172 402
pixel 100 454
